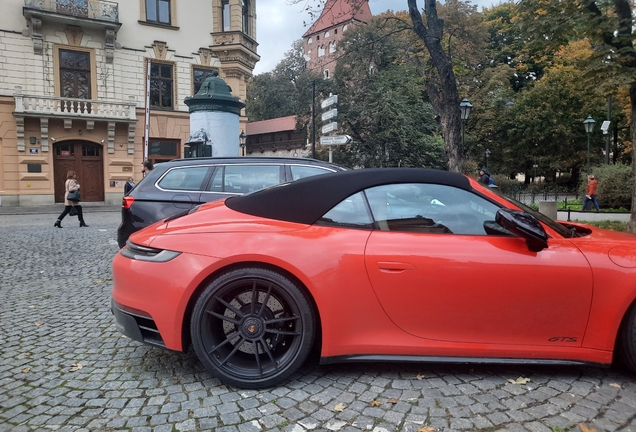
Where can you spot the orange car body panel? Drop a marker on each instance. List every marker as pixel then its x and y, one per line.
pixel 398 294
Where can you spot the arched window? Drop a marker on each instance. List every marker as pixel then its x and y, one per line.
pixel 326 34
pixel 310 41
pixel 326 73
pixel 321 51
pixel 332 47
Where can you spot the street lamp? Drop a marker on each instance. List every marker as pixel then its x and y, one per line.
pixel 535 166
pixel 487 156
pixel 589 127
pixel 464 107
pixel 242 140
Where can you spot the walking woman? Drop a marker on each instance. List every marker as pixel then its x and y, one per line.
pixel 71 185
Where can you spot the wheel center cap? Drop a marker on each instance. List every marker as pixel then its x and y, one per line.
pixel 252 327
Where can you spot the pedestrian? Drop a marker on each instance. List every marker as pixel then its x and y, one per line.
pixel 130 184
pixel 484 176
pixel 590 193
pixel 71 185
pixel 146 167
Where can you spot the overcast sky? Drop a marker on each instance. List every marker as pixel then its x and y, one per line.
pixel 280 24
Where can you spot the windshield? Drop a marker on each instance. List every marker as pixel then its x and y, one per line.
pixel 562 230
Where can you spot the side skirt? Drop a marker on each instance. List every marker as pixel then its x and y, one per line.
pixel 453 360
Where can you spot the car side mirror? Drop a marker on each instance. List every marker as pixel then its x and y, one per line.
pixel 525 226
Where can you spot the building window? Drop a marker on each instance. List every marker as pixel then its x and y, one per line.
pixel 161 150
pixel 225 16
pixel 332 47
pixel 245 4
pixel 161 85
pixel 75 74
pixel 345 28
pixel 158 11
pixel 198 76
pixel 310 41
pixel 326 73
pixel 321 51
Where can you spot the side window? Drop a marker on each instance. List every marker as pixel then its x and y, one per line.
pixel 429 208
pixel 190 178
pixel 249 178
pixel 216 184
pixel 353 212
pixel 302 171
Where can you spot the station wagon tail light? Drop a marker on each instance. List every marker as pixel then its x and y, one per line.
pixel 127 201
pixel 143 253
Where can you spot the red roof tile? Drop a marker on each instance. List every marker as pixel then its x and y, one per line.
pixel 273 125
pixel 338 12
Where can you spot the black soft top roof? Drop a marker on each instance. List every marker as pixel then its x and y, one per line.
pixel 306 200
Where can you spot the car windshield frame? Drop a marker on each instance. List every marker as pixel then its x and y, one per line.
pixel 556 226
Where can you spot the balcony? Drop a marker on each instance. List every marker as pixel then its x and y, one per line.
pixel 45 108
pixel 87 13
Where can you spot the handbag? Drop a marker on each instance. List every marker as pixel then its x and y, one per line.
pixel 73 196
pixel 73 211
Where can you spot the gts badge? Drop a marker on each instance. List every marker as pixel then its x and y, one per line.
pixel 562 339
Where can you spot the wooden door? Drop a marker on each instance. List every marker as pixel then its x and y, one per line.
pixel 85 158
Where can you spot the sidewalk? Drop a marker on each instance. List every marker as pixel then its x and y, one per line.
pixel 88 207
pixel 592 216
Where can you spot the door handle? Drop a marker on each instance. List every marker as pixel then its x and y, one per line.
pixel 394 266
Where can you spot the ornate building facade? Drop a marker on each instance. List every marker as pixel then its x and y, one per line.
pixel 82 80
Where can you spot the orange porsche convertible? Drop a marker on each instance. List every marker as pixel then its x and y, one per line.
pixel 371 265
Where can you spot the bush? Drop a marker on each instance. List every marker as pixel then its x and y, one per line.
pixel 615 185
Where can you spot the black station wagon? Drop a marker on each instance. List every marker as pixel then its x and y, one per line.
pixel 179 185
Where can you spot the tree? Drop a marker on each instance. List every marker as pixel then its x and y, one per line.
pixel 609 25
pixel 382 104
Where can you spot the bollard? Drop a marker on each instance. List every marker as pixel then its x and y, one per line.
pixel 548 208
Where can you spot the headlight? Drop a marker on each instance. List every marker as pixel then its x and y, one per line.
pixel 142 253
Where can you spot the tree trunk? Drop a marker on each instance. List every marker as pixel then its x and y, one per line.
pixel 442 89
pixel 631 226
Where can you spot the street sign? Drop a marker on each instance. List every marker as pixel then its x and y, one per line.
pixel 335 140
pixel 329 101
pixel 330 127
pixel 328 115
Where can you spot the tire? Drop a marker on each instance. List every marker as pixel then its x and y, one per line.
pixel 252 328
pixel 626 348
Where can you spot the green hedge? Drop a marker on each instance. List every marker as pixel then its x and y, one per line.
pixel 615 185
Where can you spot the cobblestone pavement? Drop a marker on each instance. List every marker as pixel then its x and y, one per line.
pixel 65 367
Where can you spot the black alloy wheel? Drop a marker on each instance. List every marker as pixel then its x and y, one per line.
pixel 252 328
pixel 626 341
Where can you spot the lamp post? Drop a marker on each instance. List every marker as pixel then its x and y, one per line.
pixel 242 140
pixel 535 166
pixel 464 107
pixel 488 152
pixel 589 127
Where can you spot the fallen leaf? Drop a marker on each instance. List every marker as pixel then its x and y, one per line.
pixel 426 429
pixel 25 370
pixel 375 403
pixel 585 428
pixel 109 278
pixel 76 367
pixel 392 401
pixel 616 385
pixel 339 407
pixel 520 381
pixel 97 281
pixel 39 324
pixel 420 376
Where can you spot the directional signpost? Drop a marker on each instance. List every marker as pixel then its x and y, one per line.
pixel 335 140
pixel 330 114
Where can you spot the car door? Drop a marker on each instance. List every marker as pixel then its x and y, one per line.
pixel 439 276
